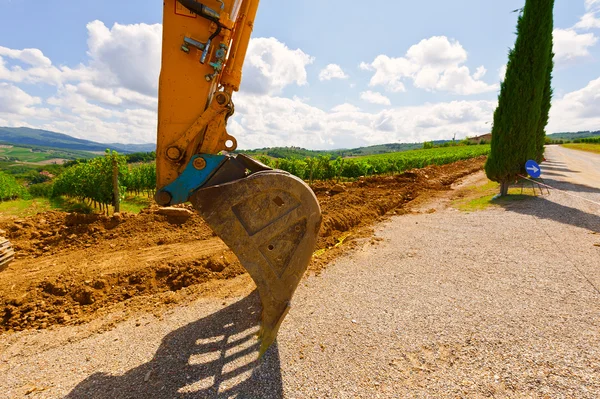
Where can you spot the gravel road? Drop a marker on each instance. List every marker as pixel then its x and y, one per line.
pixel 499 303
pixel 573 166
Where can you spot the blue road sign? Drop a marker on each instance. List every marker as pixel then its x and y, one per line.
pixel 533 169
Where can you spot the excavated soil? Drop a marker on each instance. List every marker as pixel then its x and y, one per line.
pixel 70 268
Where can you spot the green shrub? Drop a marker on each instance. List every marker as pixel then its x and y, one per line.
pixel 41 190
pixel 9 188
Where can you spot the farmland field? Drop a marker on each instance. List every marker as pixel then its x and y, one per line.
pixel 584 147
pixel 323 168
pixel 433 156
pixel 38 154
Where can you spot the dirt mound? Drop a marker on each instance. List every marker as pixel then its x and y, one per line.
pixel 50 233
pixel 73 300
pixel 71 266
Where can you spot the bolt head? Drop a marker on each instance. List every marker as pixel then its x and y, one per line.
pixel 163 198
pixel 173 153
pixel 221 98
pixel 199 163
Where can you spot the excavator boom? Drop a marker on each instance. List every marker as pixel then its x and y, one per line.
pixel 269 218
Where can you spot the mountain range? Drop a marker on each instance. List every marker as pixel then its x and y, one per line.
pixel 25 136
pixel 45 138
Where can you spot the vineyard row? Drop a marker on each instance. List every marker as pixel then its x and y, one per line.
pixel 92 180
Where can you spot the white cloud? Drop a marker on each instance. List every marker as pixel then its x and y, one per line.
pixel 122 107
pixel 592 4
pixel 125 56
pixel 375 98
pixel 569 45
pixel 332 71
pixel 345 108
pixel 105 96
pixel 479 73
pixel 389 72
pixel 274 121
pixel 112 97
pixel 458 80
pixel 103 100
pixel 31 56
pixel 137 99
pixel 433 64
pixel 366 66
pixel 502 72
pixel 589 20
pixel 38 67
pixel 15 101
pixel 437 52
pixel 578 110
pixel 99 100
pixel 270 66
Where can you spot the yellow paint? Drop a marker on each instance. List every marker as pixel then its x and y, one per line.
pixel 184 95
pixel 319 252
pixel 181 10
pixel 341 240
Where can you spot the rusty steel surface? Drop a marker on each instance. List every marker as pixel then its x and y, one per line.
pixel 270 220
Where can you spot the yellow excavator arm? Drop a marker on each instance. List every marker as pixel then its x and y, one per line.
pixel 269 218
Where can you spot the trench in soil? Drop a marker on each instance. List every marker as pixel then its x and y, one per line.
pixel 69 268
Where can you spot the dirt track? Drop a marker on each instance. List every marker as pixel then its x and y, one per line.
pixel 72 268
pixel 498 303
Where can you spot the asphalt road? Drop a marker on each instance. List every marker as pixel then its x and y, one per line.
pixel 499 303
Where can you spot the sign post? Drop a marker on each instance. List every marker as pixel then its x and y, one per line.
pixel 533 169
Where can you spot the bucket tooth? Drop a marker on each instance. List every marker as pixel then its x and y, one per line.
pixel 270 220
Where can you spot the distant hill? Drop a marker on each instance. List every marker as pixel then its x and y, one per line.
pixel 17 153
pixel 45 138
pixel 24 136
pixel 573 136
pixel 301 153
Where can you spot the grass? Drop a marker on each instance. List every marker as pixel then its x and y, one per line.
pixel 29 207
pixel 584 147
pixel 35 154
pixel 22 208
pixel 451 153
pixel 477 198
pixel 134 204
pixel 24 154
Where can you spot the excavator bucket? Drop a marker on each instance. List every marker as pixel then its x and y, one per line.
pixel 270 220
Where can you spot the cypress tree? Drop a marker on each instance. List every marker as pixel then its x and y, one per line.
pixel 517 117
pixel 546 104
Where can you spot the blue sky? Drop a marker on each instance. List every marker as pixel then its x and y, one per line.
pixel 338 74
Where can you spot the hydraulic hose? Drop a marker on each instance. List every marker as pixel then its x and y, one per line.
pixel 201 10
